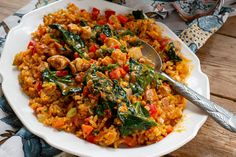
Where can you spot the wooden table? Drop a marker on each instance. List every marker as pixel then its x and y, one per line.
pixel 218 61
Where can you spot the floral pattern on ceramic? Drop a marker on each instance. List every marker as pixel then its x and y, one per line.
pixel 192 9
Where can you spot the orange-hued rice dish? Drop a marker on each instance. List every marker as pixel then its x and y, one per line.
pixel 84 73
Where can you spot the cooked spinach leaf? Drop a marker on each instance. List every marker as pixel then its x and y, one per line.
pixel 83 23
pixel 73 40
pixel 138 14
pixel 134 117
pixel 171 53
pixel 109 67
pixel 135 43
pixel 135 120
pixel 64 82
pixel 144 75
pixel 127 32
pixel 106 30
pixel 97 30
pixel 123 49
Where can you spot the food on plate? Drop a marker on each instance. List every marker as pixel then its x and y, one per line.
pixel 84 73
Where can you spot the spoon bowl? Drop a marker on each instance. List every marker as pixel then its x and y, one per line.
pixel 222 116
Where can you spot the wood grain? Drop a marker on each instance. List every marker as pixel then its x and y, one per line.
pixel 8 7
pixel 229 27
pixel 218 61
pixel 212 140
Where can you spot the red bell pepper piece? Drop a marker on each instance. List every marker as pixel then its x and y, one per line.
pixel 62 73
pixel 109 12
pixel 95 13
pixel 123 19
pixel 93 48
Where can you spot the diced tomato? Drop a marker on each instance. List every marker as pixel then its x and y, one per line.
pixel 122 72
pixel 62 73
pixel 129 141
pixel 38 86
pixel 126 67
pixel 153 110
pixel 32 45
pixel 169 129
pixel 123 19
pixel 91 138
pixel 109 12
pixel 103 36
pixel 86 129
pixel 117 46
pixel 164 42
pixel 85 91
pixel 76 55
pixel 115 74
pixel 93 48
pixel 111 22
pixel 102 22
pixel 95 13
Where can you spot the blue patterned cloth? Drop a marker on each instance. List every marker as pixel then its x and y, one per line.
pixel 189 23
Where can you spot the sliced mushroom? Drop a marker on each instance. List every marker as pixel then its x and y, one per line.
pixel 58 62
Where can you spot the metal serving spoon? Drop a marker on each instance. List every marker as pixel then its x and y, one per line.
pixel 222 116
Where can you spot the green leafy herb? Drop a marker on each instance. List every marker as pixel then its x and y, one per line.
pixel 65 83
pixel 138 14
pixel 171 53
pixel 73 40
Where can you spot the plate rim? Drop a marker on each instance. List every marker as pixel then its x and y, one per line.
pixel 48 140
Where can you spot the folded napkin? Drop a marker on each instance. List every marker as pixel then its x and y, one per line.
pixel 194 21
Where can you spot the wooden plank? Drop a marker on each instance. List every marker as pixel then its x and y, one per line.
pixel 8 7
pixel 218 61
pixel 229 28
pixel 212 140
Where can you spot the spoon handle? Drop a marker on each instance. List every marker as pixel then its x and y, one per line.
pixel 222 116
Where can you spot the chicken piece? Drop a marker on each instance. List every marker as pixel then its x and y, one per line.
pixel 151 95
pixel 79 65
pixel 135 53
pixel 58 62
pixel 86 32
pixel 119 57
pixel 74 28
pixel 146 61
pixel 164 89
pixel 111 42
pixel 106 60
